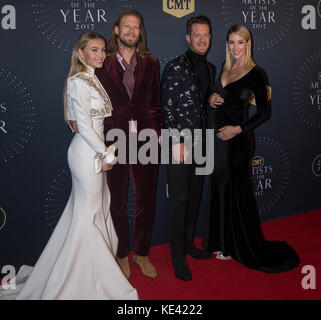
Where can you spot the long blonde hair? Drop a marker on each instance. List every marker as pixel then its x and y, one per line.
pixel 141 47
pixel 244 33
pixel 77 65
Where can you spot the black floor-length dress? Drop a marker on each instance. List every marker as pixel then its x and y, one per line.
pixel 232 218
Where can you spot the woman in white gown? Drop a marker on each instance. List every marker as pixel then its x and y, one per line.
pixel 79 262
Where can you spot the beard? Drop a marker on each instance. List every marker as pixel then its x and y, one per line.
pixel 200 49
pixel 129 43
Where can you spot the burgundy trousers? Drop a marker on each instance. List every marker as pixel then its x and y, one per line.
pixel 144 178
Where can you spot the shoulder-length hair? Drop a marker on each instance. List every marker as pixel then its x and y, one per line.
pixel 141 47
pixel 77 65
pixel 244 33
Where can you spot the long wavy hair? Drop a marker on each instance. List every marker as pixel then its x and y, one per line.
pixel 77 64
pixel 141 47
pixel 244 33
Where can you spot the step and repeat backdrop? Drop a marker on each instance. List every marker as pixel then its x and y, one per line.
pixel 37 37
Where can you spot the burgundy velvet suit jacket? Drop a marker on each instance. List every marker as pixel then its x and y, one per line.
pixel 144 107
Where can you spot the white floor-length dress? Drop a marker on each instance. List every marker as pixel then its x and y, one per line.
pixel 78 261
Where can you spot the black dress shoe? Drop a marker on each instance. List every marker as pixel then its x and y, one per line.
pixel 182 270
pixel 199 254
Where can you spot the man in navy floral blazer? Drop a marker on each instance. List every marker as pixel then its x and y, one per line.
pixel 187 82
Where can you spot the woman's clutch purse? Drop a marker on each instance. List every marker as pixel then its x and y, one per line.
pixel 98 162
pixel 108 157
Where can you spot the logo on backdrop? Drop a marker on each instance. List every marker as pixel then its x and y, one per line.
pixel 57 197
pixel 316 166
pixel 8 17
pixel 62 21
pixel 179 8
pixel 268 20
pixel 3 218
pixel 307 91
pixel 17 116
pixel 310 16
pixel 270 169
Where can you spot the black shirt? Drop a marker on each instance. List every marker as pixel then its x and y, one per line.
pixel 199 63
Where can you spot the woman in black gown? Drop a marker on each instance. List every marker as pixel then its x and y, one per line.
pixel 233 224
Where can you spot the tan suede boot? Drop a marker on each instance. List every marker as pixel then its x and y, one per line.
pixel 145 265
pixel 124 265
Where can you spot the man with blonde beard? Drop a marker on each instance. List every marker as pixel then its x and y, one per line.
pixel 131 78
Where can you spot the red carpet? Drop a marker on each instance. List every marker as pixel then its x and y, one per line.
pixel 228 280
pixel 225 280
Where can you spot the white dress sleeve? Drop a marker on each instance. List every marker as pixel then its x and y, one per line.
pixel 78 96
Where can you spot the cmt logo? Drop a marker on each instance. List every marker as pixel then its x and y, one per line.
pixel 8 21
pixel 179 8
pixel 309 20
pixel 257 162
